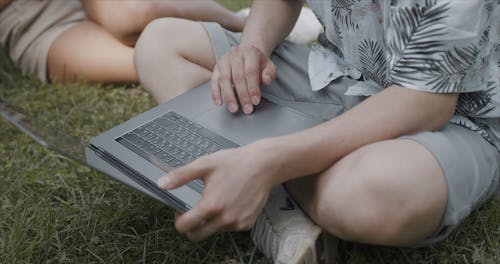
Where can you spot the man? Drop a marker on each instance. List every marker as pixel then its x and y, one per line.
pixel 411 94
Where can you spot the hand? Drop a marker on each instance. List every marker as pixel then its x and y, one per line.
pixel 244 67
pixel 237 185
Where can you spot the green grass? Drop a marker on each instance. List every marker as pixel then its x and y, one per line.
pixel 53 210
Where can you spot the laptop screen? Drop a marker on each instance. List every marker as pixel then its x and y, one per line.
pixel 45 134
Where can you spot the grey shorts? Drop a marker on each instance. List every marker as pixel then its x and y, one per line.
pixel 470 164
pixel 29 27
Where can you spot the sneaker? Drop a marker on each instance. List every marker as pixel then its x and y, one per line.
pixel 284 233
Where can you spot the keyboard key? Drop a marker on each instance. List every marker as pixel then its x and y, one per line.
pixel 190 148
pixel 169 147
pixel 148 147
pixel 177 140
pixel 164 157
pixel 198 140
pixel 155 151
pixel 175 151
pixel 188 159
pixel 164 122
pixel 132 138
pixel 184 134
pixel 151 126
pixel 174 163
pixel 156 140
pixel 140 131
pixel 213 148
pixel 184 144
pixel 194 127
pixel 206 144
pixel 182 154
pixel 148 136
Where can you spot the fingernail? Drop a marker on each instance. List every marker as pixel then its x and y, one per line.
pixel 247 109
pixel 255 100
pixel 218 102
pixel 232 107
pixel 164 182
pixel 268 78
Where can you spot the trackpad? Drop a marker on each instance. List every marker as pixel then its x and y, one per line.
pixel 268 120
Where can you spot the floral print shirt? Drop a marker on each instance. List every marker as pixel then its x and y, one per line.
pixel 437 46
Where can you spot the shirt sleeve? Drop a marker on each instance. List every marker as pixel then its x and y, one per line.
pixel 440 46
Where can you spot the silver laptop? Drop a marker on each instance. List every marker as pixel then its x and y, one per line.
pixel 148 146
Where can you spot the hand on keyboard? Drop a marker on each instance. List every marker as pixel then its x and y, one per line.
pixel 237 184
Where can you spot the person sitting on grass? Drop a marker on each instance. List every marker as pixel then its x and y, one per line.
pixel 410 95
pixel 92 40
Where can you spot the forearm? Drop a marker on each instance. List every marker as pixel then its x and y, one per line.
pixel 394 112
pixel 269 23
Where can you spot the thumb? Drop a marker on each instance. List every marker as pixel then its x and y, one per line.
pixel 179 177
pixel 268 72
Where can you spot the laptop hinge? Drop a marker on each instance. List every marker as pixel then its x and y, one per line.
pixel 139 178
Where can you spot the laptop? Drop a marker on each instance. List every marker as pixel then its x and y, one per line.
pixel 148 146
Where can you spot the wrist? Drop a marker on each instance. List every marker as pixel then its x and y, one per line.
pixel 260 45
pixel 276 161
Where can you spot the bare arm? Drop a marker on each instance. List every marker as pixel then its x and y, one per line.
pixel 394 112
pixel 269 23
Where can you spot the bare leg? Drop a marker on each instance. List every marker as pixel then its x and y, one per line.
pixel 126 19
pixel 172 56
pixel 86 51
pixel 206 10
pixel 388 193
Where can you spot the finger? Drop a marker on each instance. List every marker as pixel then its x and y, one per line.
pixel 183 175
pixel 194 218
pixel 238 73
pixel 214 87
pixel 211 227
pixel 269 72
pixel 226 87
pixel 252 76
pixel 177 214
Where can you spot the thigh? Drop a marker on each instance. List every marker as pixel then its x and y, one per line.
pixel 30 27
pixel 124 19
pixel 86 51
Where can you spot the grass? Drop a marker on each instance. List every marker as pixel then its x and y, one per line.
pixel 53 210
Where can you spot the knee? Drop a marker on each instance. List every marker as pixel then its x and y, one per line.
pixel 128 19
pixel 156 39
pixel 364 204
pixel 160 34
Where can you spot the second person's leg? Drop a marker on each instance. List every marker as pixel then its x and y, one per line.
pixel 126 19
pixel 88 52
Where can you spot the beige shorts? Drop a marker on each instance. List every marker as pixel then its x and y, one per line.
pixel 29 27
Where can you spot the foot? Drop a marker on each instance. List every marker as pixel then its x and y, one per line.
pixel 284 233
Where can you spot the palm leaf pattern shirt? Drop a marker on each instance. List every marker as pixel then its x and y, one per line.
pixel 437 46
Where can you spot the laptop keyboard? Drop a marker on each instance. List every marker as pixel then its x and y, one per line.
pixel 172 140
